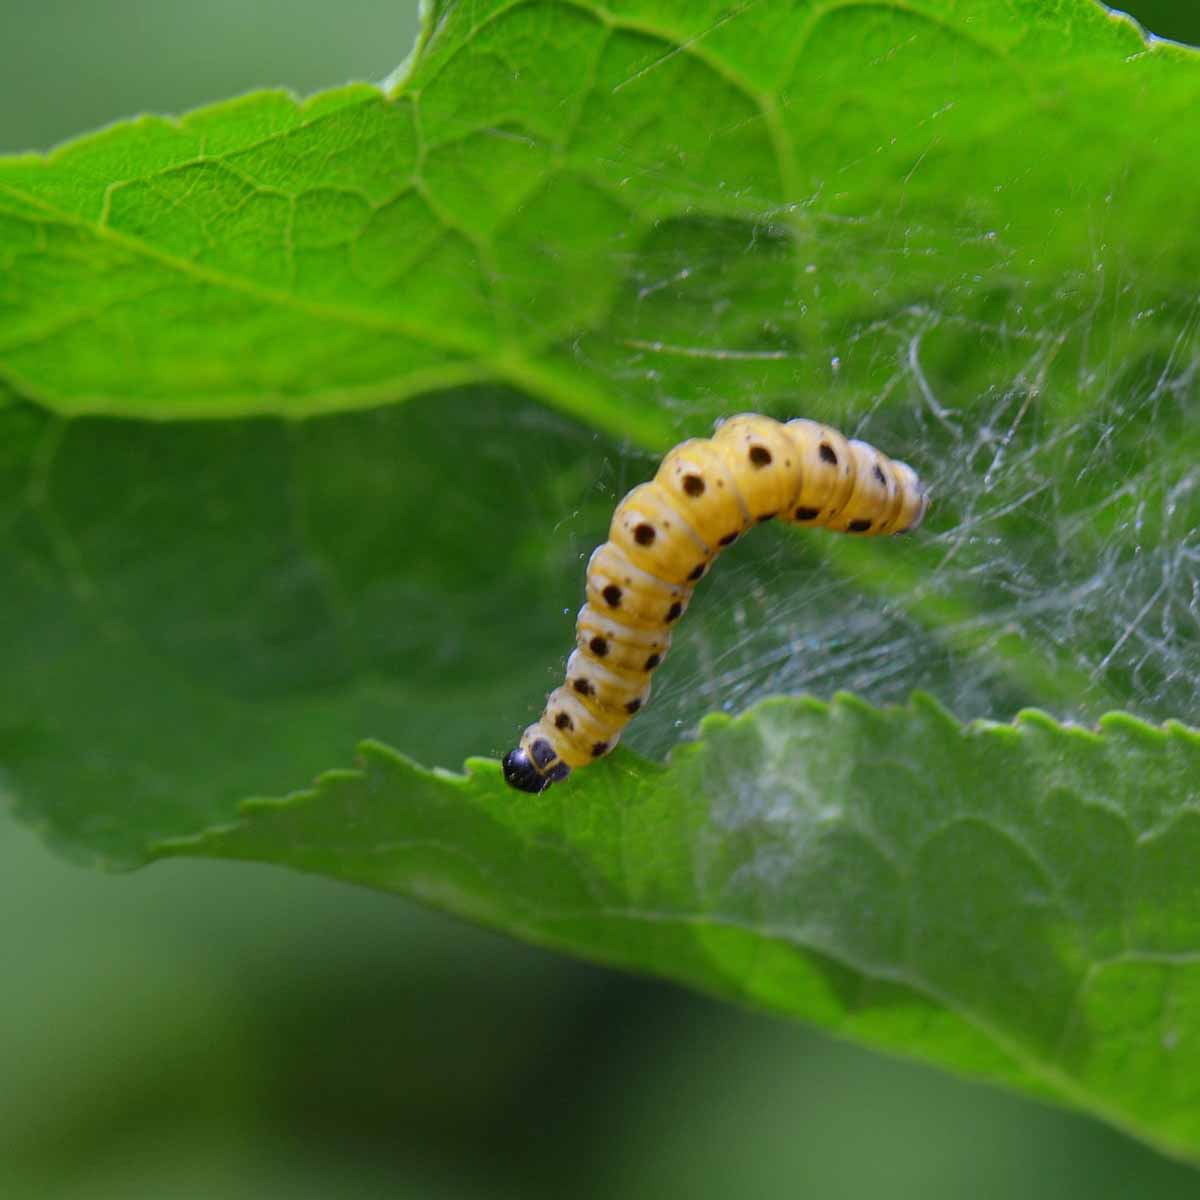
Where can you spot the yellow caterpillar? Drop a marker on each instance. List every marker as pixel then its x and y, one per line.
pixel 665 535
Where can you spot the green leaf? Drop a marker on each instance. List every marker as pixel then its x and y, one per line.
pixel 567 236
pixel 1015 901
pixel 555 189
pixel 198 612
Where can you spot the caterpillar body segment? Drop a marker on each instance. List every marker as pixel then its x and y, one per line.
pixel 761 454
pixel 656 537
pixel 913 501
pixel 615 583
pixel 606 694
pixel 663 538
pixel 622 649
pixel 698 481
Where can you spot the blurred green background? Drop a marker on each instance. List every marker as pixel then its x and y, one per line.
pixel 225 1031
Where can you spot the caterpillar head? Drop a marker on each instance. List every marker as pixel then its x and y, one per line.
pixel 520 773
pixel 533 770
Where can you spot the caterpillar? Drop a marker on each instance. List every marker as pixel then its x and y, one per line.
pixel 665 535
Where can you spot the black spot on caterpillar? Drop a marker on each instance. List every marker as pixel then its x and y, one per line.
pixel 663 537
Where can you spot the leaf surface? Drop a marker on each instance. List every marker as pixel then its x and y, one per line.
pixel 1014 901
pixel 557 191
pixel 567 236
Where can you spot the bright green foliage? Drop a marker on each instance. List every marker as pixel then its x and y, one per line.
pixel 974 226
pixel 543 162
pixel 1020 902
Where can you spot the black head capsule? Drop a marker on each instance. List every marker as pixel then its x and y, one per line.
pixel 520 773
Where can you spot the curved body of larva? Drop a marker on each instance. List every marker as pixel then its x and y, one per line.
pixel 665 535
